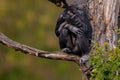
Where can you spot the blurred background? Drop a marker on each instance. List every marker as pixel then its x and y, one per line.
pixel 32 22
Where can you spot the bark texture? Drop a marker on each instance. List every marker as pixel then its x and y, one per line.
pixel 104 15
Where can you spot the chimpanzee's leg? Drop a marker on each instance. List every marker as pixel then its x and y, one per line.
pixel 82 48
pixel 65 41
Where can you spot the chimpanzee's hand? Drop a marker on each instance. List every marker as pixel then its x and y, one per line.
pixel 73 29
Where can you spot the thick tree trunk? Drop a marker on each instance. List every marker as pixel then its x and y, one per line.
pixel 104 15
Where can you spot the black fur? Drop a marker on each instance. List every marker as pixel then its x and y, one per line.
pixel 74 31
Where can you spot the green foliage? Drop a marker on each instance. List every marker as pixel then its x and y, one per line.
pixel 105 62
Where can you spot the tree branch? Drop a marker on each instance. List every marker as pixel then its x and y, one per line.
pixel 44 54
pixel 39 53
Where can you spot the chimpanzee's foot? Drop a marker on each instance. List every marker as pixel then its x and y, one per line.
pixel 84 60
pixel 66 50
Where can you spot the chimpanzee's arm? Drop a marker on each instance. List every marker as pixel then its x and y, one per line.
pixel 59 26
pixel 73 29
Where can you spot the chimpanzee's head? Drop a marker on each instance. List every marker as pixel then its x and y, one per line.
pixel 60 3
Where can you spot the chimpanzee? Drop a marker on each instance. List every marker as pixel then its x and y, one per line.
pixel 74 31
